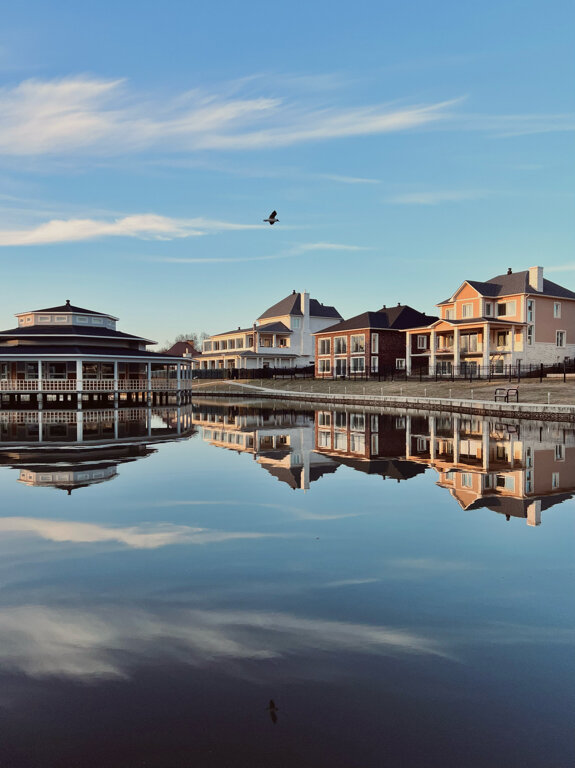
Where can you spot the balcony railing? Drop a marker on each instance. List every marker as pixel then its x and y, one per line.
pixel 94 385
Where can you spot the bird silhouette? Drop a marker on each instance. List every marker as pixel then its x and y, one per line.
pixel 272 218
pixel 272 709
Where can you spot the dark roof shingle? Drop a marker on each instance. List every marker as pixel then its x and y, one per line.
pixel 398 318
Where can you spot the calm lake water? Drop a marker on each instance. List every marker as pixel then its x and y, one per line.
pixel 244 584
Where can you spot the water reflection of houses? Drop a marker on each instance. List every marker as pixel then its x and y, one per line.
pixel 280 440
pixel 517 470
pixel 373 443
pixel 70 450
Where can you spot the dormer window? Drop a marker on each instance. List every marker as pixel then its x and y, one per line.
pixel 296 322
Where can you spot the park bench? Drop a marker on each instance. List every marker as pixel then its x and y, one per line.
pixel 510 395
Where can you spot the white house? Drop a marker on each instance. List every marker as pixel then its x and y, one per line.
pixel 281 337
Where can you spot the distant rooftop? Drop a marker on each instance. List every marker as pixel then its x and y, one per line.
pixel 291 305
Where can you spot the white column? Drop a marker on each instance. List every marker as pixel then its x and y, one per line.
pixel 116 386
pixel 512 343
pixel 486 342
pixel 79 376
pixel 432 349
pixel 149 371
pixel 40 426
pixel 178 375
pixel 116 424
pixel 456 439
pixel 432 438
pixel 485 446
pixel 80 427
pixel 408 354
pixel 456 351
pixel 40 375
pixel 407 435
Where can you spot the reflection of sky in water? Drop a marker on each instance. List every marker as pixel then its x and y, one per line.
pixel 382 618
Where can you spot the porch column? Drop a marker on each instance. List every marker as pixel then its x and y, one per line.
pixel 407 435
pixel 40 426
pixel 79 388
pixel 149 385
pixel 486 342
pixel 116 388
pixel 178 375
pixel 456 351
pixel 116 424
pixel 408 354
pixel 432 348
pixel 40 396
pixel 512 342
pixel 274 340
pixel 485 446
pixel 79 427
pixel 456 439
pixel 432 438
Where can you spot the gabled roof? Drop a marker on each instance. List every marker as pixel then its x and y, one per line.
pixel 398 318
pixel 288 306
pixel 514 283
pixel 180 348
pixel 291 305
pixel 273 328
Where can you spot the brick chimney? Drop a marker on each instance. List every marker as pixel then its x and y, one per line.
pixel 536 278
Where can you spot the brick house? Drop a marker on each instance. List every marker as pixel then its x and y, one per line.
pixel 372 342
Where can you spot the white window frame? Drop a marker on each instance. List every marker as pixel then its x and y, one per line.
pixel 324 365
pixel 296 322
pixel 324 418
pixel 488 309
pixel 360 344
pixel 357 364
pixel 466 479
pixel 559 452
pixel 530 334
pixel 343 342
pixel 374 343
pixel 530 310
pixel 510 308
pixel 374 364
pixel 448 314
pixel 325 343
pixel 563 338
pixel 467 310
pixel 400 363
pixel 555 480
pixel 421 341
pixel 557 310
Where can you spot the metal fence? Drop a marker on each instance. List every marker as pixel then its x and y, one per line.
pixel 306 372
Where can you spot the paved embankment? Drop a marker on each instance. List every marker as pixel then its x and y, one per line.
pixel 540 411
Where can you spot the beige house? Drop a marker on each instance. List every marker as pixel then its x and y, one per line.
pixel 514 318
pixel 281 337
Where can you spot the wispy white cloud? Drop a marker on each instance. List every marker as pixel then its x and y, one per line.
pixel 561 268
pixel 81 115
pixel 136 537
pixel 144 226
pixel 436 197
pixel 110 641
pixel 330 247
pixel 347 179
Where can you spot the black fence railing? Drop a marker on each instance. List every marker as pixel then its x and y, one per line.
pixel 305 372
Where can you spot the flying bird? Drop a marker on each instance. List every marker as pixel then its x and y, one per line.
pixel 273 217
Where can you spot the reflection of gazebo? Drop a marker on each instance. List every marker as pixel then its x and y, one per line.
pixel 71 470
pixel 68 355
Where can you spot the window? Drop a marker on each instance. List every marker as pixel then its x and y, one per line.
pixel 374 423
pixel 324 419
pixel 324 366
pixel 506 308
pixel 45 318
pixel 296 322
pixel 375 444
pixel 340 419
pixel 467 310
pixel 400 363
pixel 466 480
pixel 324 439
pixel 448 314
pixel 374 364
pixel 374 343
pixel 357 443
pixel 283 341
pixel 250 341
pixel 207 346
pixel 31 371
pixel 422 342
pixel 357 421
pixel 561 338
pixel 28 319
pixel 529 335
pixel 357 364
pixel 357 344
pixel 559 453
pixel 501 338
pixel 555 480
pixel 557 309
pixel 324 346
pixel 488 309
pixel 340 441
pixel 530 310
pixel 95 320
pixel 341 366
pixel 340 345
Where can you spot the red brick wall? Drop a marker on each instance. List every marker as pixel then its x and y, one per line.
pixel 391 347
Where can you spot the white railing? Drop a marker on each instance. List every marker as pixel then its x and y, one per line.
pixel 94 385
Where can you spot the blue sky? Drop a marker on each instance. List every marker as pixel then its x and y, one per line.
pixel 406 147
